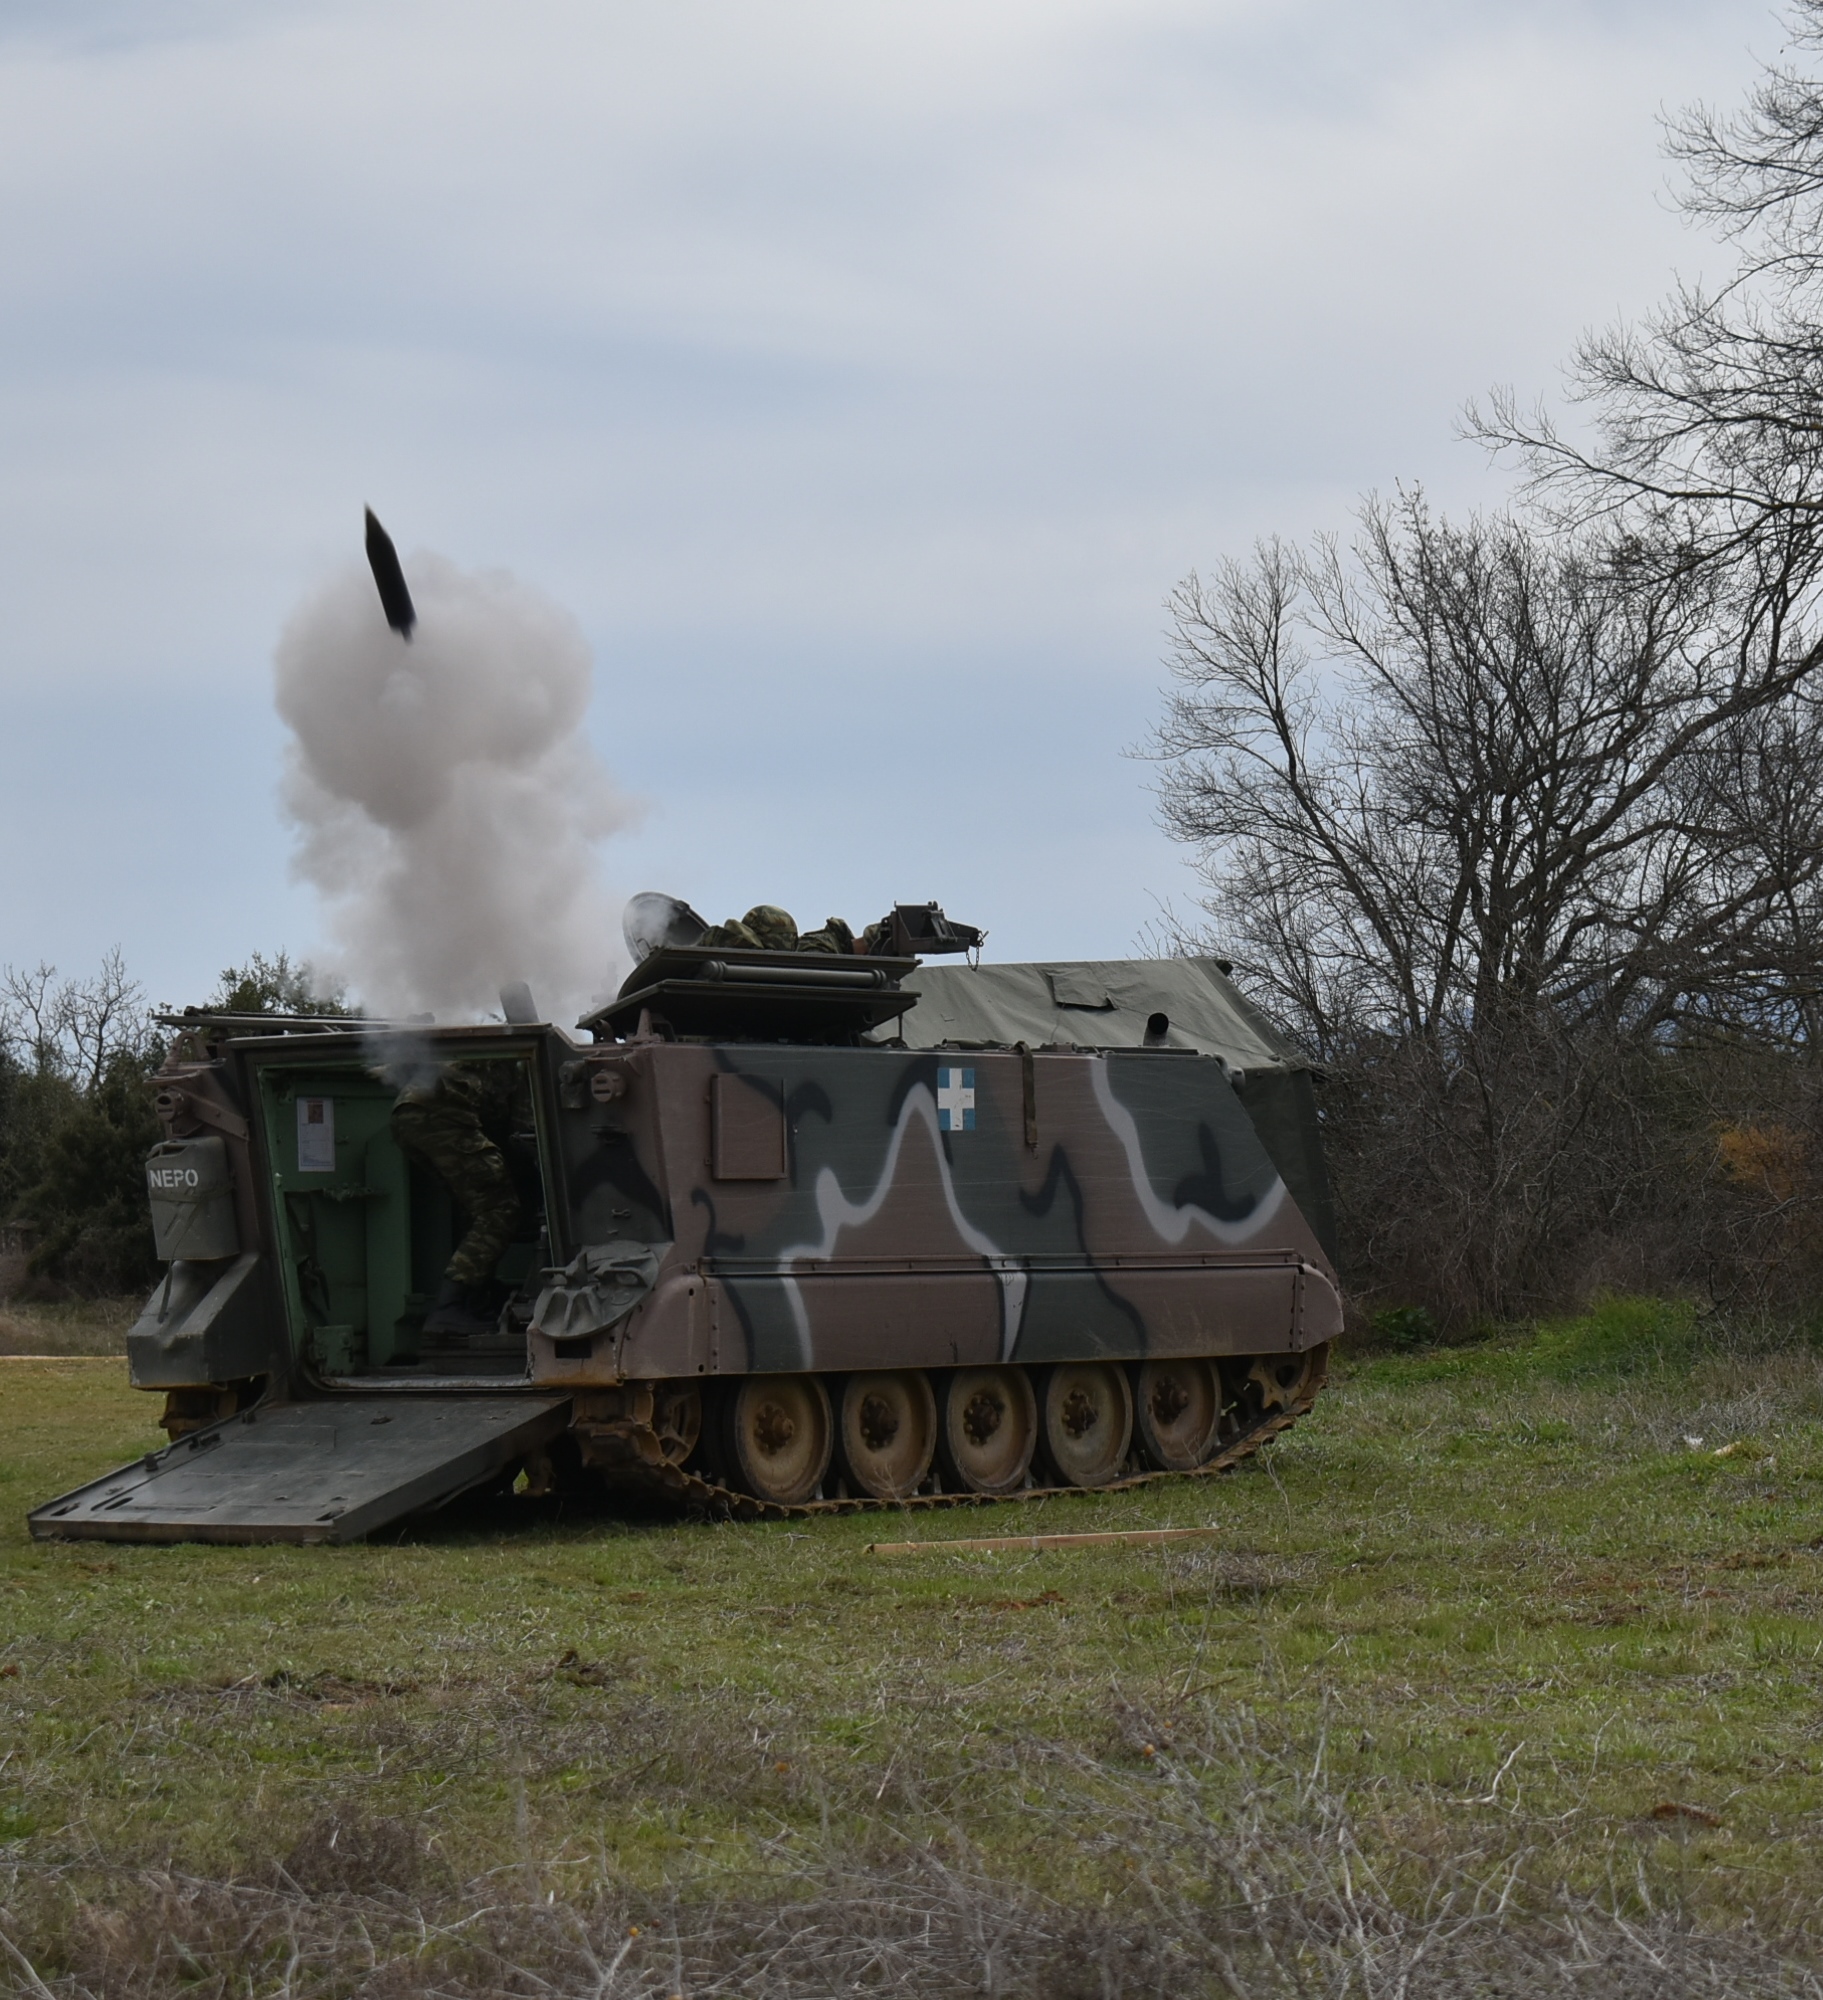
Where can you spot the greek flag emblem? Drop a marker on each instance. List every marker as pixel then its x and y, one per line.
pixel 955 1100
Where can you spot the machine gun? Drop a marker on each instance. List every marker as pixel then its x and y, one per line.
pixel 921 930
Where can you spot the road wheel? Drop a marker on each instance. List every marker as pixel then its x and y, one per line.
pixel 989 1429
pixel 1177 1412
pixel 779 1435
pixel 1278 1379
pixel 677 1419
pixel 887 1432
pixel 1256 1387
pixel 1085 1422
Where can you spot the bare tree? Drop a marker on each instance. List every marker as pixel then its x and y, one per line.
pixel 1492 814
pixel 72 1028
pixel 34 1017
pixel 1707 417
pixel 1518 817
pixel 107 1017
pixel 1465 770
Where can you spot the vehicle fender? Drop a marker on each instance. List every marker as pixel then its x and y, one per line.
pixel 206 1322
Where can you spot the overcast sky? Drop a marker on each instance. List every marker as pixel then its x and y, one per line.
pixel 861 376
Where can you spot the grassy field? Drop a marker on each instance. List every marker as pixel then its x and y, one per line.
pixel 79 1326
pixel 1503 1673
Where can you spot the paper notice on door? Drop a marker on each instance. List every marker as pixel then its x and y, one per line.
pixel 316 1135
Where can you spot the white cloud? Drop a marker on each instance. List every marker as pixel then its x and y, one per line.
pixel 861 377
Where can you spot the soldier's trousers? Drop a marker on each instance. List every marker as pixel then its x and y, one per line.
pixel 448 1138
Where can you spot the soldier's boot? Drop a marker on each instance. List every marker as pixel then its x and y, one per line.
pixel 460 1313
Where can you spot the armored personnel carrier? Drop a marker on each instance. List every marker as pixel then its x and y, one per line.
pixel 793 1233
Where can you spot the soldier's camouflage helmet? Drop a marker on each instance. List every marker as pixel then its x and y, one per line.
pixel 775 929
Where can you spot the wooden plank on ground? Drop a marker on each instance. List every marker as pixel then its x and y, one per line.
pixel 968 1544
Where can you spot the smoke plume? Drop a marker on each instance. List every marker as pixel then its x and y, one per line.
pixel 446 802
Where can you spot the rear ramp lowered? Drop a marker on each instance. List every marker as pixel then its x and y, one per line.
pixel 328 1471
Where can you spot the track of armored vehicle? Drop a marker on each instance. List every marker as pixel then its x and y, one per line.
pixel 633 1456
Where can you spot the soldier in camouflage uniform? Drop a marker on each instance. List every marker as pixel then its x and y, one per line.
pixel 663 920
pixel 444 1122
pixel 766 927
pixel 835 936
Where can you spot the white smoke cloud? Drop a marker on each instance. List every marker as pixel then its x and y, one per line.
pixel 446 801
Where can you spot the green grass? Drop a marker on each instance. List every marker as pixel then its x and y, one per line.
pixel 1490 1609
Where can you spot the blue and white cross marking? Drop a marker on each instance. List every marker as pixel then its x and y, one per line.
pixel 955 1100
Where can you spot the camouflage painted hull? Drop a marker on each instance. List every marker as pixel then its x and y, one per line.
pixel 835 1209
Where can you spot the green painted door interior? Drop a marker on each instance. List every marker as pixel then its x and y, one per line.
pixel 364 1231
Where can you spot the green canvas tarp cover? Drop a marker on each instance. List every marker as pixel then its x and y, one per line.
pixel 1093 1004
pixel 1110 1004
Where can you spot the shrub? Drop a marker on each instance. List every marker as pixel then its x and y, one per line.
pixel 1403 1328
pixel 1619 1336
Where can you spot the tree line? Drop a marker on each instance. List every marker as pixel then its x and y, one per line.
pixel 1517 820
pixel 77 1057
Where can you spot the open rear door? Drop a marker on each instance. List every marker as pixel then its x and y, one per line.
pixel 329 1471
